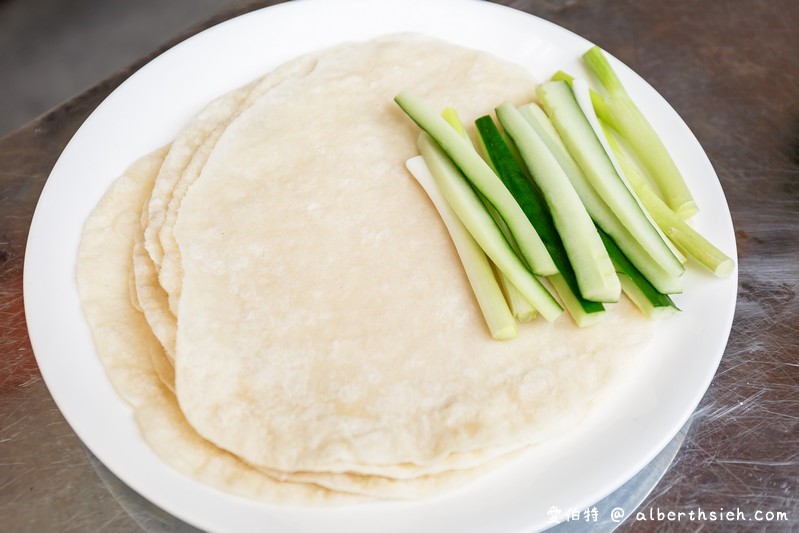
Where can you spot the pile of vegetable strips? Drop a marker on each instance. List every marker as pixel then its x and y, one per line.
pixel 576 198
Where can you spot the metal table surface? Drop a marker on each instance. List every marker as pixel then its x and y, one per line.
pixel 729 68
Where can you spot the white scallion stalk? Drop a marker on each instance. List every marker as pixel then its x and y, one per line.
pixel 489 295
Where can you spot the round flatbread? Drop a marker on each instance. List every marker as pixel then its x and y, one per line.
pixel 324 322
pixel 140 370
pixel 125 343
pixel 185 162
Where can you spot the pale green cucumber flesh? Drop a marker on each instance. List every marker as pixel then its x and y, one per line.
pixel 643 294
pixel 596 207
pixel 589 153
pixel 499 155
pixel 473 214
pixel 482 177
pixel 595 274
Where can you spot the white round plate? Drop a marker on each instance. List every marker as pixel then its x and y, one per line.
pixel 149 109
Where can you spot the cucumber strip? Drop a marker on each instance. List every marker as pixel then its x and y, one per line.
pixel 489 296
pixel 600 107
pixel 639 298
pixel 586 148
pixel 643 294
pixel 593 269
pixel 633 126
pixel 520 308
pixel 596 207
pixel 483 179
pixel 582 315
pixel 498 151
pixel 626 167
pixel 580 89
pixel 473 214
pixel 675 228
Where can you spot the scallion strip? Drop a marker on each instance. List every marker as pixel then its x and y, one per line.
pixel 489 296
pixel 684 236
pixel 636 129
pixel 597 100
pixel 473 214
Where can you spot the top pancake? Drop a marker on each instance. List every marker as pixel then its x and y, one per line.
pixel 324 322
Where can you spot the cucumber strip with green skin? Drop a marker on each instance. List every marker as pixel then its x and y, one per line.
pixel 482 178
pixel 595 274
pixel 596 207
pixel 634 127
pixel 589 153
pixel 639 299
pixel 479 272
pixel 473 214
pixel 580 89
pixel 574 304
pixel 675 228
pixel 643 294
pixel 520 308
pixel 511 173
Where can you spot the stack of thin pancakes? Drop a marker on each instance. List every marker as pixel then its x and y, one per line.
pixel 283 309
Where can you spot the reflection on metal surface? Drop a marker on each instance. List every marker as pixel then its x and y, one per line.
pixel 612 511
pixel 149 517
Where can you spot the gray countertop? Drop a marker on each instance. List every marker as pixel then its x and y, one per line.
pixel 729 68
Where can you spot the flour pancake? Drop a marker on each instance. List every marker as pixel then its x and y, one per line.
pixel 324 321
pixel 193 147
pixel 383 485
pixel 135 361
pixel 171 272
pixel 151 298
pixel 138 373
pixel 152 305
pixel 178 156
pixel 124 343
